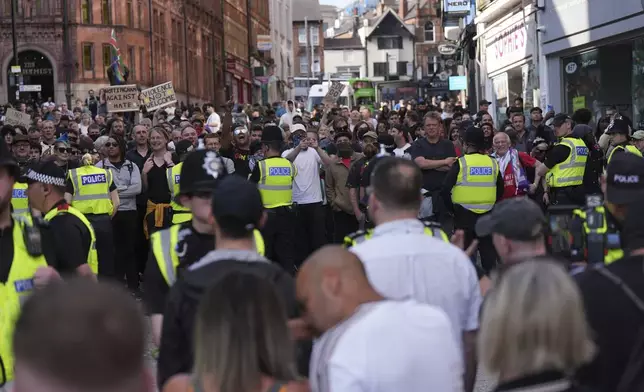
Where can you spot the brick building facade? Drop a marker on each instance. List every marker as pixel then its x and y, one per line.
pixel 39 28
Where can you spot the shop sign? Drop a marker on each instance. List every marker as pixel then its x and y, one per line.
pixel 236 68
pixel 264 43
pixel 29 68
pixel 509 46
pixel 457 6
pixel 447 49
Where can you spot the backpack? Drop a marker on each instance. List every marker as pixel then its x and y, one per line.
pixel 632 378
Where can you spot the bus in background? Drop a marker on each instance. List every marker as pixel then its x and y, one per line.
pixel 364 92
pixel 319 91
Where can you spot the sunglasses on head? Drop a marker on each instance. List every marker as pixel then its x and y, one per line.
pixel 63 150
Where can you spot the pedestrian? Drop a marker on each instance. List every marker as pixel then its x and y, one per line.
pixel 92 191
pixel 236 212
pixel 620 136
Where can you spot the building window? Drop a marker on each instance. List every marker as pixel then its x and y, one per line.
pixel 301 36
pixel 107 58
pixel 130 14
pixel 88 57
pixel 139 15
pixel 401 68
pixel 380 69
pixel 131 57
pixel 429 32
pixel 315 36
pixel 432 65
pixel 304 64
pixel 86 11
pixel 106 15
pixel 390 43
pixel 141 64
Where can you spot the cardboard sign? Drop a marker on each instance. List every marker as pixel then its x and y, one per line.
pixel 15 117
pixel 159 96
pixel 122 98
pixel 335 90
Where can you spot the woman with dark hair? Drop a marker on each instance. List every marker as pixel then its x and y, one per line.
pixel 127 178
pixel 242 342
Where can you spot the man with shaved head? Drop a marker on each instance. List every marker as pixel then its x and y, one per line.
pixel 367 342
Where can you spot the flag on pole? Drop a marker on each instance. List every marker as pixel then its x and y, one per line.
pixel 116 60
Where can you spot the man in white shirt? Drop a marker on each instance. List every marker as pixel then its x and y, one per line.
pixel 214 121
pixel 307 188
pixel 287 118
pixel 402 261
pixel 368 343
pixel 401 138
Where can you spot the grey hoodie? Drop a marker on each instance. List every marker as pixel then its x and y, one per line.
pixel 127 180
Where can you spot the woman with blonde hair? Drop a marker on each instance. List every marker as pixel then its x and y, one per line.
pixel 534 334
pixel 155 182
pixel 242 341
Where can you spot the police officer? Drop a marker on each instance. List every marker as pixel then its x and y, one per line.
pixel 236 212
pixel 19 201
pixel 274 177
pixel 180 214
pixel 472 187
pixel 401 186
pixel 92 192
pixel 620 134
pixel 622 185
pixel 179 246
pixel 565 165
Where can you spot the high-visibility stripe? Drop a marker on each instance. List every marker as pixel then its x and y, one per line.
pixel 167 256
pixel 573 158
pixel 77 189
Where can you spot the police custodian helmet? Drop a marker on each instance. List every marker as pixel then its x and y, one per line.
pixel 272 133
pixel 201 171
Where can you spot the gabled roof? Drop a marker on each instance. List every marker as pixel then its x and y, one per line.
pixel 384 16
pixel 342 43
pixel 309 9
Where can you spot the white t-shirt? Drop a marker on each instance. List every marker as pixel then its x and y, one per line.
pixel 213 118
pixel 306 186
pixel 388 346
pixel 403 262
pixel 400 152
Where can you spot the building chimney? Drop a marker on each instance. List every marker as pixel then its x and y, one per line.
pixel 380 9
pixel 402 9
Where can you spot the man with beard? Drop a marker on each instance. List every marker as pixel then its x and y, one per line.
pixel 236 146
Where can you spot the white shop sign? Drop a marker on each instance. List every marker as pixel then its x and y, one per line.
pixel 508 44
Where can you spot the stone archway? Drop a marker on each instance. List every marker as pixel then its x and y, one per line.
pixel 38 75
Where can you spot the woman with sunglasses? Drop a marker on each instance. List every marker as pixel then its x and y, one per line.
pixel 62 155
pixel 128 184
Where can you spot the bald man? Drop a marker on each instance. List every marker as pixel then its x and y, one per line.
pixel 369 343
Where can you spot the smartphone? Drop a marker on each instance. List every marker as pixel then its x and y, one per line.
pixel 296 141
pixel 549 108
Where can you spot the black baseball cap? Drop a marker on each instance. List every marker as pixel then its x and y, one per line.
pixel 625 179
pixel 237 204
pixel 484 102
pixel 536 109
pixel 559 119
pixel 517 218
pixel 618 126
pixel 200 172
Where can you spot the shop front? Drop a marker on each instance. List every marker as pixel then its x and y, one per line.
pixel 238 81
pixel 596 59
pixel 510 63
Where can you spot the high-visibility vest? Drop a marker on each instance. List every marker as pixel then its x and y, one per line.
pixel 19 200
pixel 627 148
pixel 92 255
pixel 180 214
pixel 164 247
pixel 475 187
pixel 610 255
pixel 14 292
pixel 571 171
pixel 431 229
pixel 92 190
pixel 276 182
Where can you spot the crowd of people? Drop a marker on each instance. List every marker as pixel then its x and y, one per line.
pixel 337 250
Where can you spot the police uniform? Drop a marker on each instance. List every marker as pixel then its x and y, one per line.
pixel 471 189
pixel 180 214
pixel 621 127
pixel 432 229
pixel 179 246
pixel 625 147
pixel 23 250
pixel 90 187
pixel 601 233
pixel 19 201
pixel 565 179
pixel 274 177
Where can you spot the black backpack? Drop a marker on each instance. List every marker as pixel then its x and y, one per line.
pixel 633 377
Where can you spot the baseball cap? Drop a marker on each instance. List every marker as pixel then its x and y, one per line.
pixel 371 134
pixel 484 102
pixel 517 218
pixel 237 204
pixel 625 179
pixel 618 126
pixel 298 127
pixel 536 109
pixel 638 135
pixel 559 119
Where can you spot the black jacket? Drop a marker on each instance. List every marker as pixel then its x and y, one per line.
pixel 176 351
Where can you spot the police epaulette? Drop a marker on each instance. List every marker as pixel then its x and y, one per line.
pixel 431 224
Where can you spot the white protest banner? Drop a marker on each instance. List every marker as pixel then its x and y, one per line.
pixel 122 98
pixel 335 90
pixel 15 117
pixel 158 96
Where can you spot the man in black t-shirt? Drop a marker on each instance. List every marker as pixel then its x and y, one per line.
pixel 239 150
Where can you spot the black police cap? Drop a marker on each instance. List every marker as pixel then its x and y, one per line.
pixel 272 133
pixel 201 171
pixel 475 136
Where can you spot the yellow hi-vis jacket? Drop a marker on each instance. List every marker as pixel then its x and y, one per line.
pixel 92 190
pixel 19 200
pixel 627 148
pixel 571 171
pixel 612 254
pixel 276 182
pixel 180 214
pixel 475 187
